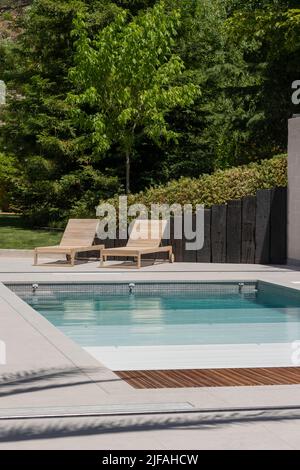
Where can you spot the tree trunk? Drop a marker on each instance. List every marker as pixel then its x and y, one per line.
pixel 127 173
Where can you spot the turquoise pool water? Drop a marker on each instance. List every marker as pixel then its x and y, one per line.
pixel 171 319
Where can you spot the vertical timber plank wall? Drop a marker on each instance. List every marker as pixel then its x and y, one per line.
pixel 178 245
pixel 262 232
pixel 278 222
pixel 218 233
pixel 190 256
pixel 204 255
pixel 256 230
pixel 234 232
pixel 251 230
pixel 248 229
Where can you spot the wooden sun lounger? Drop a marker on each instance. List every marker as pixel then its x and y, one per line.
pixel 150 233
pixel 78 237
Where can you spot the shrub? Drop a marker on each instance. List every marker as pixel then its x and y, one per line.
pixel 217 188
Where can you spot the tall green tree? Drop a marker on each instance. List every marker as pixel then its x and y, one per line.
pixel 57 179
pixel 126 81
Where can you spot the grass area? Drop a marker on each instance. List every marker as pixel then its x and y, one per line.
pixel 14 234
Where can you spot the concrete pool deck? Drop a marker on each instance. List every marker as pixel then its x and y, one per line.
pixel 48 375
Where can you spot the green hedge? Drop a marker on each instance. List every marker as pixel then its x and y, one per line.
pixel 217 188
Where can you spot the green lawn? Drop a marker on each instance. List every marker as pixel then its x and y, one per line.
pixel 13 234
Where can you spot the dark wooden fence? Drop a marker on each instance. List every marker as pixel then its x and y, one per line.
pixel 250 230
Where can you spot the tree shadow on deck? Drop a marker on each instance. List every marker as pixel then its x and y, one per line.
pixel 34 429
pixel 45 379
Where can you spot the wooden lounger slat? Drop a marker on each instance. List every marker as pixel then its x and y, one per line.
pixel 78 236
pixel 145 238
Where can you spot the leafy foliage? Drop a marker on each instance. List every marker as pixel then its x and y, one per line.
pixel 9 177
pixel 125 78
pixel 56 178
pixel 124 87
pixel 268 33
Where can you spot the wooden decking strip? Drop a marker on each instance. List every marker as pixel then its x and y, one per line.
pixel 211 377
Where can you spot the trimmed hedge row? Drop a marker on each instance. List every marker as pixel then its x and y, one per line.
pixel 217 188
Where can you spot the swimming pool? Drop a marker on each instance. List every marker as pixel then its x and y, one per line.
pixel 174 325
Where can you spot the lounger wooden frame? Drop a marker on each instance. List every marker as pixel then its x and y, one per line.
pixel 151 233
pixel 78 237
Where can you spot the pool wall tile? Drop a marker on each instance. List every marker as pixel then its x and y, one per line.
pixel 143 288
